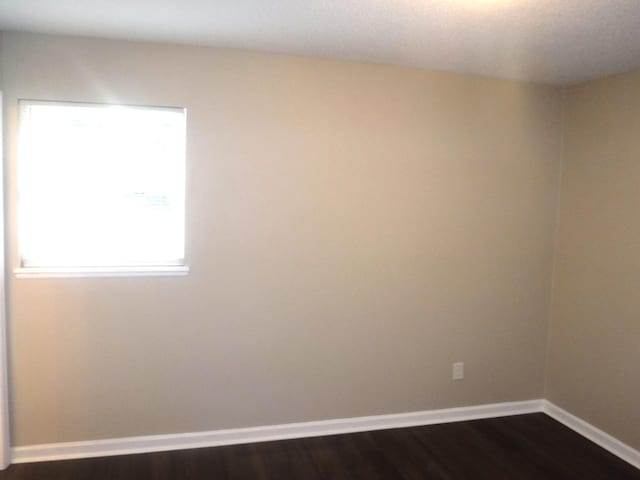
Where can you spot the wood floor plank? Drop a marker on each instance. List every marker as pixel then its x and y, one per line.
pixel 523 447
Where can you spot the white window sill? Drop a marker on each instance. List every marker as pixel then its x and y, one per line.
pixel 56 272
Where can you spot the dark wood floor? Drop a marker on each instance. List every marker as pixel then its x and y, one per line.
pixel 524 447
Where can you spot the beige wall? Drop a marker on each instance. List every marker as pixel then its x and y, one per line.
pixel 594 355
pixel 352 230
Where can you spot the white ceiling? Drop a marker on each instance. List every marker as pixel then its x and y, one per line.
pixel 551 41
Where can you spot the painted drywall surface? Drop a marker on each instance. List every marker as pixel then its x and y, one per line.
pixel 594 355
pixel 0 60
pixel 352 230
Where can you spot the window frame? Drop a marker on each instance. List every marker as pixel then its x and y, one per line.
pixel 154 269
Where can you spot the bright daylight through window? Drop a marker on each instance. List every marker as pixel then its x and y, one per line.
pixel 102 187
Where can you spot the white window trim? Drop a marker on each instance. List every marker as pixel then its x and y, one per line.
pixel 137 271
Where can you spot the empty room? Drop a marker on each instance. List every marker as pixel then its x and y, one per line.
pixel 320 240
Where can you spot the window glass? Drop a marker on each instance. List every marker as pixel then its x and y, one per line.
pixel 101 185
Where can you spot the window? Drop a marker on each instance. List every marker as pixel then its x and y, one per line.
pixel 101 188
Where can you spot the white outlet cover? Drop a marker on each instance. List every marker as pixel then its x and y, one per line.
pixel 458 371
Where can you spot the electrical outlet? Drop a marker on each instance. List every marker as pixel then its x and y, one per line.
pixel 457 371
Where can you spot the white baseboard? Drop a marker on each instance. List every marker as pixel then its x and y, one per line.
pixel 181 441
pixel 606 441
pixel 157 443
